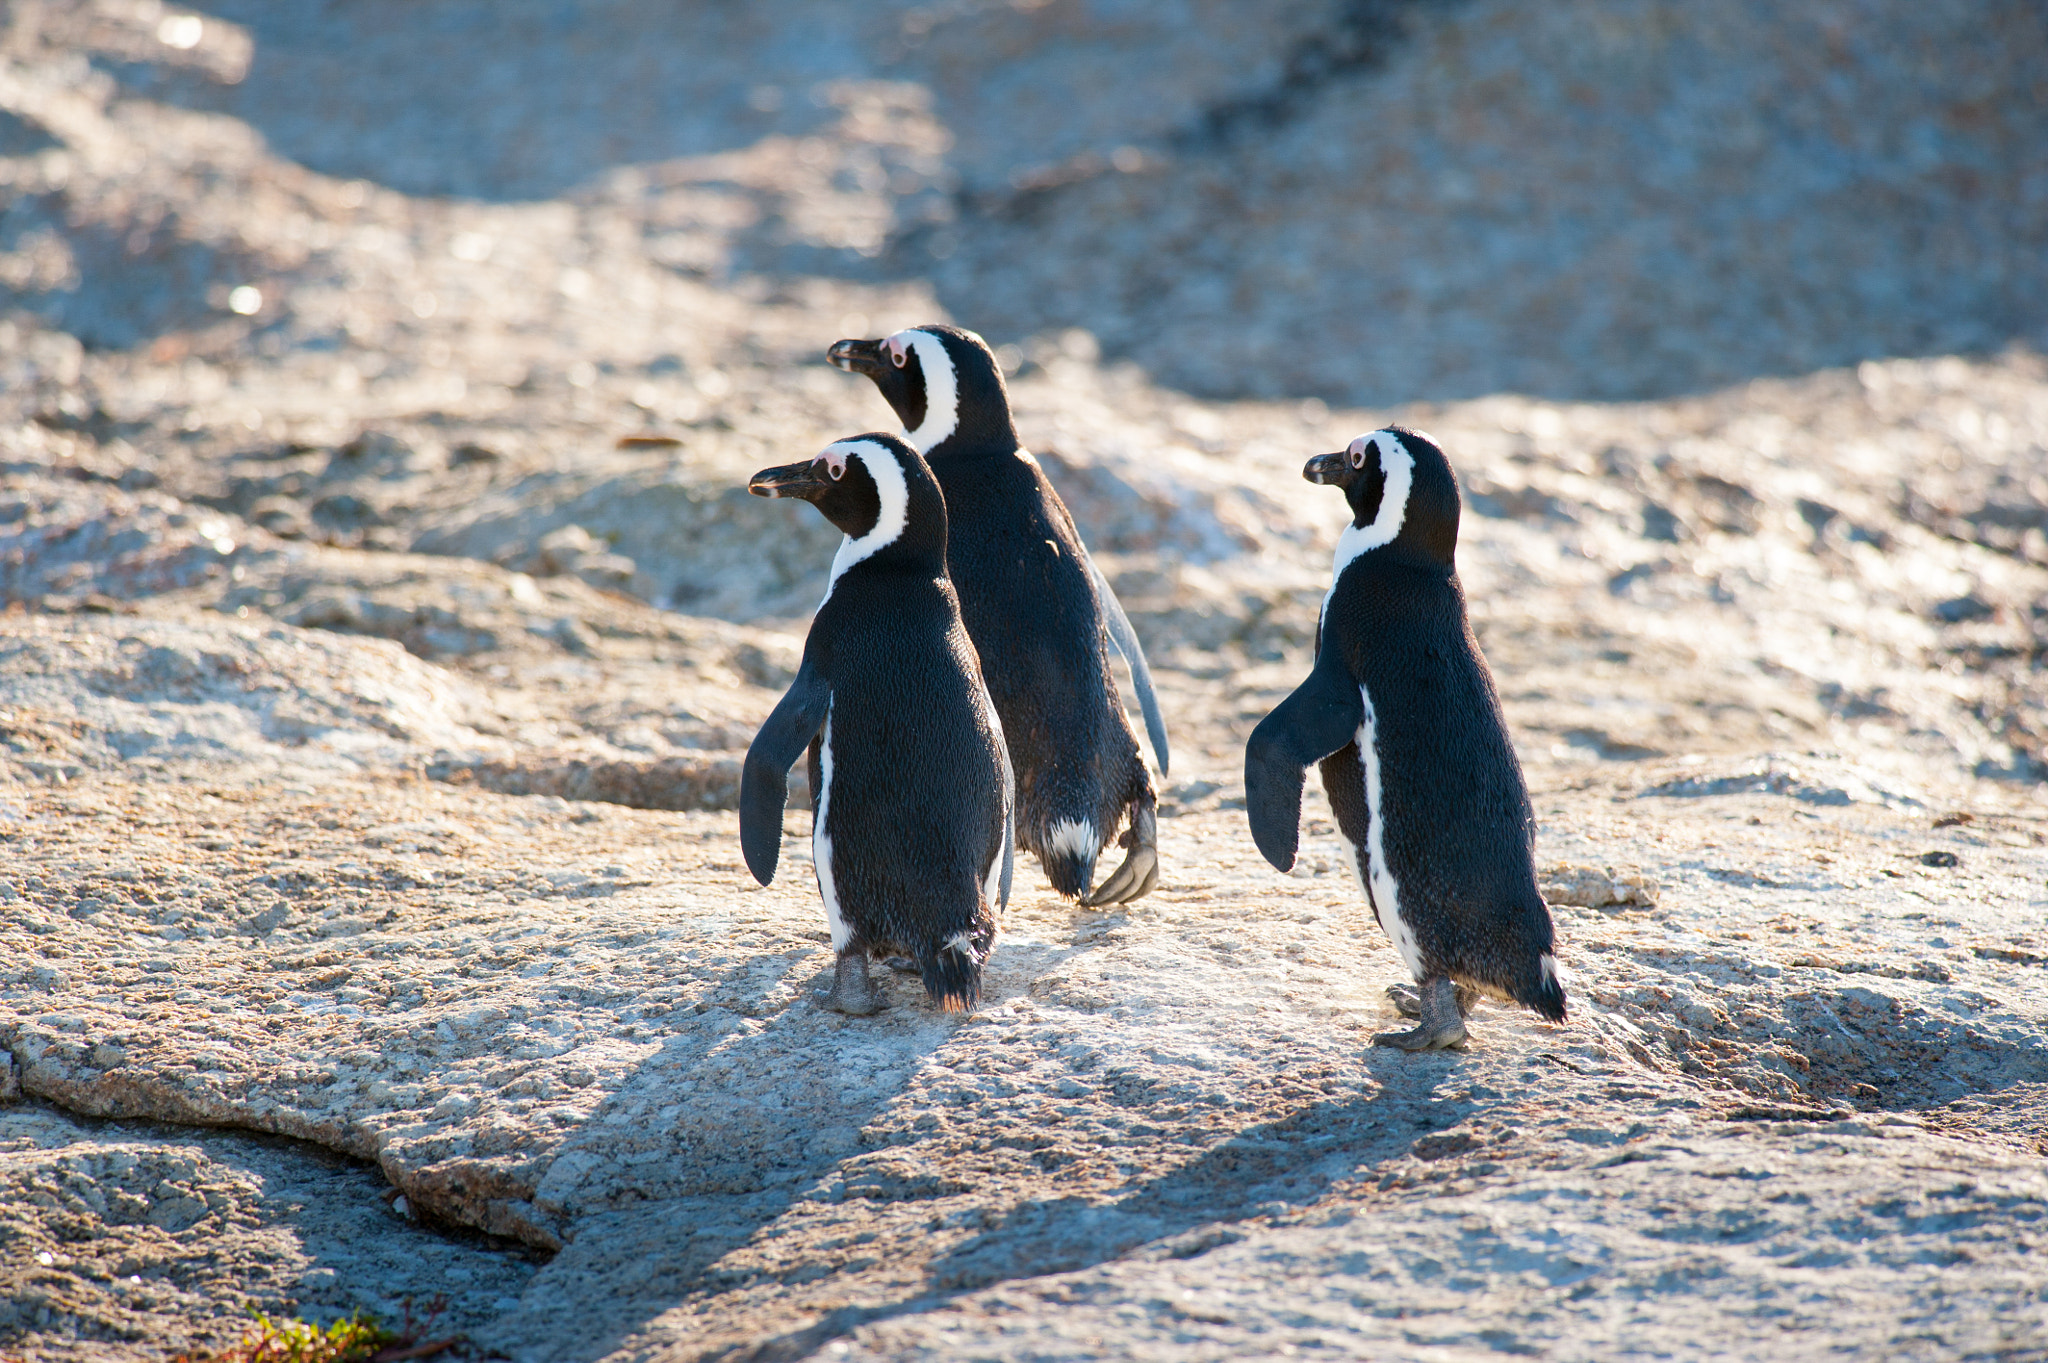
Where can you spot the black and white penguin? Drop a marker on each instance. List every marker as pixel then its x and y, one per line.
pixel 1401 712
pixel 911 815
pixel 1038 609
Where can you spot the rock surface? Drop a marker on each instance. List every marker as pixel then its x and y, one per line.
pixel 123 1237
pixel 380 645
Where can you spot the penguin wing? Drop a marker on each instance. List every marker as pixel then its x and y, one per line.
pixel 1126 640
pixel 1320 717
pixel 764 780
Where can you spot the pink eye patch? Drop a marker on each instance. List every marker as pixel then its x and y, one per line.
pixel 899 348
pixel 834 460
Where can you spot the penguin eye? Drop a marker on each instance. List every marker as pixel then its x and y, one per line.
pixel 1358 453
pixel 834 462
pixel 898 352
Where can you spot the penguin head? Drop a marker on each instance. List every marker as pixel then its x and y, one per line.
pixel 943 382
pixel 875 488
pixel 1401 490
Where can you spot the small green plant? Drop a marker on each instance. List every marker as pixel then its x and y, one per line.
pixel 352 1339
pixel 357 1338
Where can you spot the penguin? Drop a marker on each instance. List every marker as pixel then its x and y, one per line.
pixel 912 810
pixel 1401 712
pixel 1038 610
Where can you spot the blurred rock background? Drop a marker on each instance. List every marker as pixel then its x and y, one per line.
pixel 1374 201
pixel 378 385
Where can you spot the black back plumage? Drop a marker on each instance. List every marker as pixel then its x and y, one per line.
pixel 1031 599
pixel 1456 828
pixel 916 806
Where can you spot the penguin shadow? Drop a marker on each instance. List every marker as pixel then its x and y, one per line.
pixel 750 1102
pixel 1269 1168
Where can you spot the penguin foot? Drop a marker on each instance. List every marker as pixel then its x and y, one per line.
pixel 1442 1019
pixel 1408 1003
pixel 852 992
pixel 902 965
pixel 1139 874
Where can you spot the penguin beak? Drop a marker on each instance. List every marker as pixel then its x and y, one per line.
pixel 790 480
pixel 857 357
pixel 1328 470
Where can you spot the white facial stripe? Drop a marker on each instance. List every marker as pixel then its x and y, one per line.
pixel 821 843
pixel 941 388
pixel 1399 466
pixel 1383 890
pixel 895 497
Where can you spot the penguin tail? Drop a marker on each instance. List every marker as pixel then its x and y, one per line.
pixel 1068 850
pixel 1543 989
pixel 952 972
pixel 1070 875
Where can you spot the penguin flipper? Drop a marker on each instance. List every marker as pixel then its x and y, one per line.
pixel 1126 640
pixel 1320 717
pixel 764 780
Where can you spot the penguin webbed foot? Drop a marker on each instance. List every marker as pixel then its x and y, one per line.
pixel 1442 1019
pixel 853 992
pixel 1139 875
pixel 903 965
pixel 1408 1003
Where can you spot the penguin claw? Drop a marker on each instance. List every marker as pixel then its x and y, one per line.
pixel 1139 875
pixel 1135 879
pixel 1440 1012
pixel 1425 1039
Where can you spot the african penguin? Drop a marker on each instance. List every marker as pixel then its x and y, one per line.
pixel 1401 712
pixel 912 795
pixel 1038 610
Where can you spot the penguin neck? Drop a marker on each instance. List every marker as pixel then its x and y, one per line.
pixel 984 438
pixel 957 452
pixel 1371 543
pixel 1400 552
pixel 975 421
pixel 903 557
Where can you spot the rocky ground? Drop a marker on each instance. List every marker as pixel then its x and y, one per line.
pixel 385 620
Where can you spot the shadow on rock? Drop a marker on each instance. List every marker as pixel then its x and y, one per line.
pixel 736 1118
pixel 1268 1168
